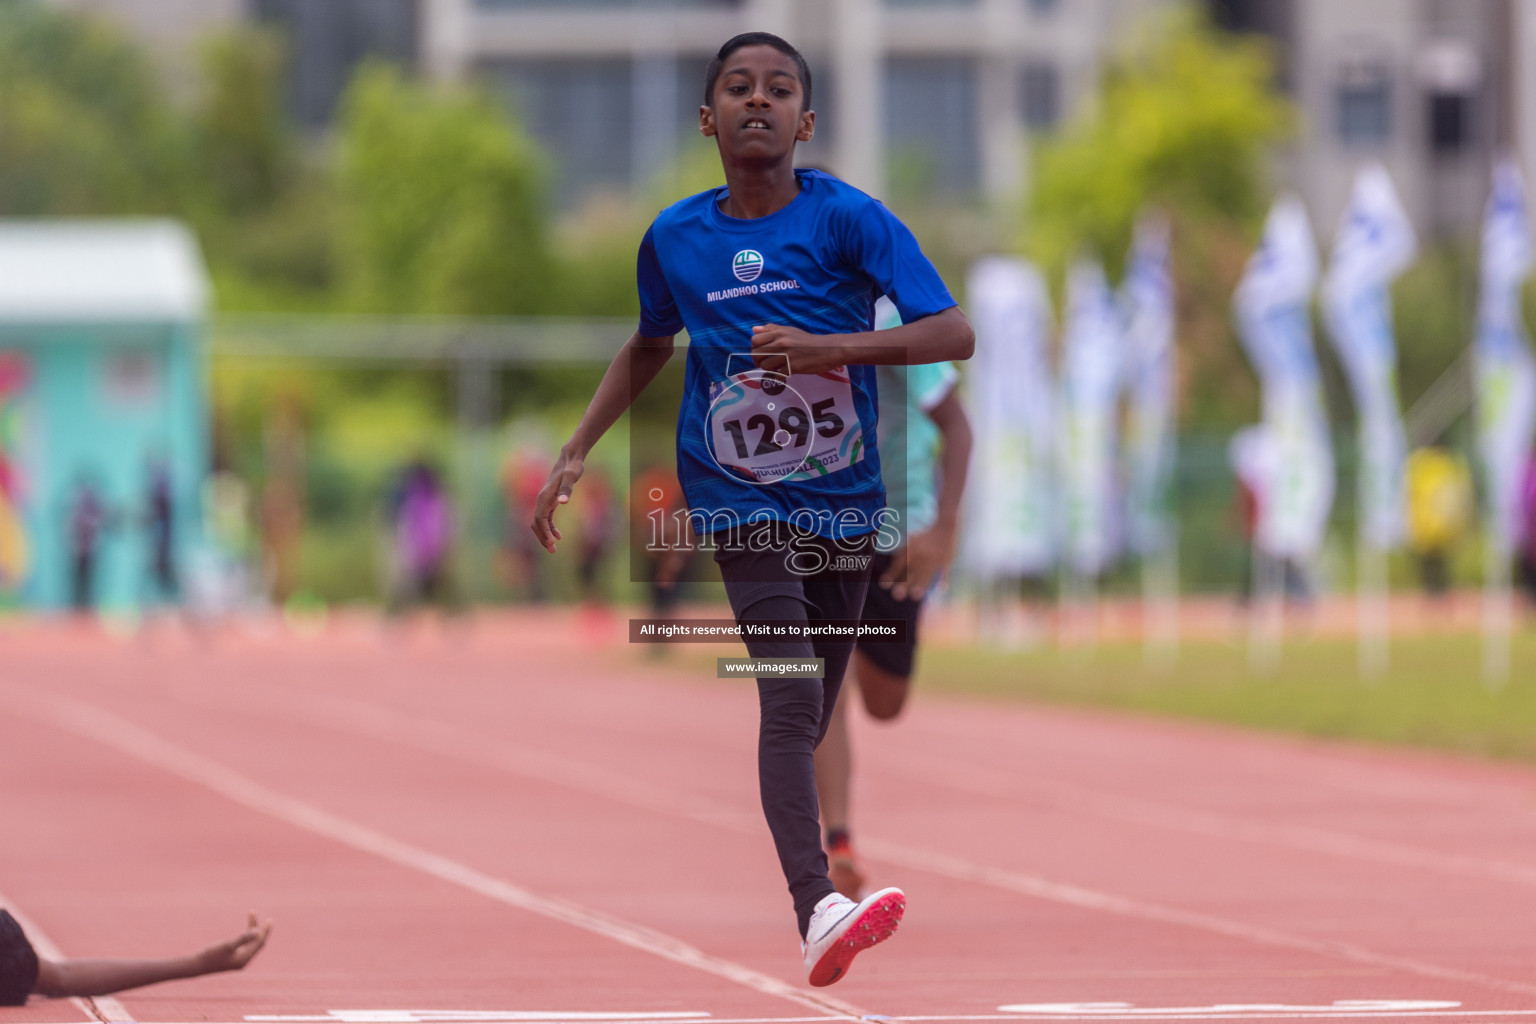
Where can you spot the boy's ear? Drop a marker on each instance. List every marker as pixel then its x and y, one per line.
pixel 807 126
pixel 707 122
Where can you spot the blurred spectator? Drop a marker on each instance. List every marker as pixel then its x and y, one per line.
pixel 89 518
pixel 282 501
pixel 522 477
pixel 1527 556
pixel 1252 457
pixel 1439 486
pixel 597 521
pixel 160 523
pixel 15 551
pixel 422 521
pixel 223 583
pixel 657 496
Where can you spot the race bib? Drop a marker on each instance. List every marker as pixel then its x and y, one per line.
pixel 765 427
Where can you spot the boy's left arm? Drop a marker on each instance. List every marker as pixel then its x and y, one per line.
pixel 944 336
pixel 918 563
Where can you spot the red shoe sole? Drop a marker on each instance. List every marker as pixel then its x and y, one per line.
pixel 876 924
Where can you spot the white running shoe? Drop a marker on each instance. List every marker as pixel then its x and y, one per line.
pixel 840 929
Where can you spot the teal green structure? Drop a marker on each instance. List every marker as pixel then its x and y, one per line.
pixel 103 379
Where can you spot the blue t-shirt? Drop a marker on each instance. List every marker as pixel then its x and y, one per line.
pixel 752 446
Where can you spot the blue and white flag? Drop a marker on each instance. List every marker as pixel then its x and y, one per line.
pixel 1273 310
pixel 1010 508
pixel 1503 372
pixel 1374 244
pixel 1146 300
pixel 1090 384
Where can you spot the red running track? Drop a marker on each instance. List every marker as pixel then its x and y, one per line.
pixel 509 821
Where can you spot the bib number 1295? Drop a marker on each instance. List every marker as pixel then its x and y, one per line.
pixel 766 428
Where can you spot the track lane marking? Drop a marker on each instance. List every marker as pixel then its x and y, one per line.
pixel 99 1008
pixel 1024 1017
pixel 1077 799
pixel 111 730
pixel 387 724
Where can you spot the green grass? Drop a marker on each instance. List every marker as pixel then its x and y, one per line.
pixel 1432 694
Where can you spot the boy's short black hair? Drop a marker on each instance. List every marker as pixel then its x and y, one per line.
pixel 745 39
pixel 18 963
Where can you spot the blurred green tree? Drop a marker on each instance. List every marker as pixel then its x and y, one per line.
pixel 441 203
pixel 85 125
pixel 1185 120
pixel 244 145
pixel 267 221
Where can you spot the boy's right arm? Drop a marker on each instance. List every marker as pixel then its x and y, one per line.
pixel 631 371
pixel 60 978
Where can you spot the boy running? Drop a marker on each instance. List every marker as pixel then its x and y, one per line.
pixel 924 425
pixel 775 276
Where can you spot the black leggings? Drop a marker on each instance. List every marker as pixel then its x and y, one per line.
pixel 795 712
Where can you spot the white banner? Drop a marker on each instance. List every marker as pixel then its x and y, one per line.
pixel 1009 508
pixel 1374 244
pixel 1150 448
pixel 1273 309
pixel 1090 384
pixel 1503 372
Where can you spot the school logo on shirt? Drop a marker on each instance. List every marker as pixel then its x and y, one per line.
pixel 747 264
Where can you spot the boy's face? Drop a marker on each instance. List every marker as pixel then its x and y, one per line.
pixel 757 111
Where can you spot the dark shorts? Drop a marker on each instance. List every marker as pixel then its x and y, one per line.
pixel 769 560
pixel 18 963
pixel 896 658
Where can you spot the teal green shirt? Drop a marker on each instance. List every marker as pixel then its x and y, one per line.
pixel 907 434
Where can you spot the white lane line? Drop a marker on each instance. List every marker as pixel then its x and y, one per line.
pixel 1030 885
pixel 382 723
pixel 101 1008
pixel 385 724
pixel 471 1016
pixel 940 1018
pixel 107 728
pixel 1077 799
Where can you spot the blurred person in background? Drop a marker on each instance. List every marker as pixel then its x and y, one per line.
pixel 282 501
pixel 160 524
pixel 1527 555
pixel 1244 455
pixel 88 519
pixel 24 973
pixel 522 477
pixel 598 527
pixel 657 499
pixel 1439 492
pixel 1252 456
pixel 923 423
pixel 662 540
pixel 422 535
pixel 225 586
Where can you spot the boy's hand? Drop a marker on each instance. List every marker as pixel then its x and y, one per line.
pixel 916 564
pixel 781 349
pixel 235 953
pixel 557 491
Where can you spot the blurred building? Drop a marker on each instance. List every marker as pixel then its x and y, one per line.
pixel 933 96
pixel 943 95
pixel 170 29
pixel 1430 88
pixel 326 39
pixel 102 389
pixel 938 95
